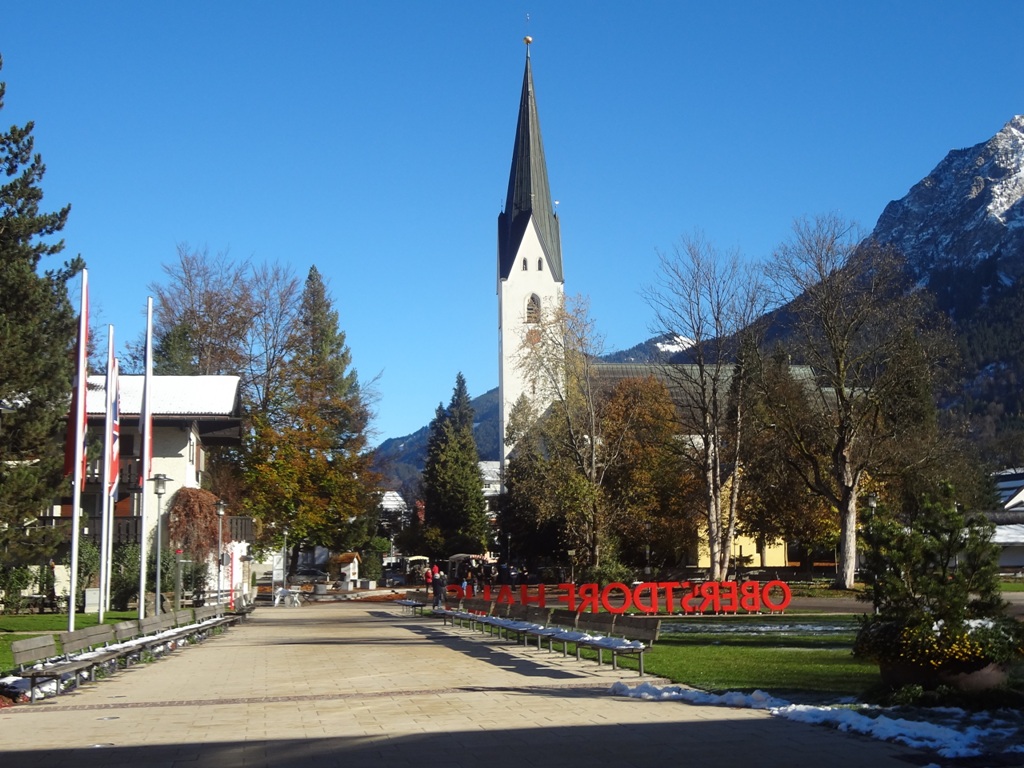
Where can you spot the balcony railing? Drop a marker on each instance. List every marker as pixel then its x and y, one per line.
pixel 127 529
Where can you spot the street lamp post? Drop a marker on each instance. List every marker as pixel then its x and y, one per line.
pixel 221 506
pixel 284 571
pixel 873 545
pixel 159 488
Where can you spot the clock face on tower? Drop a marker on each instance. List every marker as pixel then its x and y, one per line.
pixel 533 336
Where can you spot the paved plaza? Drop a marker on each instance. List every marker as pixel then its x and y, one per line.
pixel 332 685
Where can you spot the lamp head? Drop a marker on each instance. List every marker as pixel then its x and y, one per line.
pixel 160 484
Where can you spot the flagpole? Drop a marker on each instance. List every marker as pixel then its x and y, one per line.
pixel 114 480
pixel 108 448
pixel 79 470
pixel 145 455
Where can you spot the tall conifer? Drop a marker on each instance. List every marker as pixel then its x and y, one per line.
pixel 37 333
pixel 308 465
pixel 452 483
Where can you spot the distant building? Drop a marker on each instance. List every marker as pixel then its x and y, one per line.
pixel 190 415
pixel 490 474
pixel 1009 517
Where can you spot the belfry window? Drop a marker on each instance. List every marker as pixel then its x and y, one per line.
pixel 526 266
pixel 540 265
pixel 533 309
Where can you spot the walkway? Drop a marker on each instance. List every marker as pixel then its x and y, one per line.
pixel 338 685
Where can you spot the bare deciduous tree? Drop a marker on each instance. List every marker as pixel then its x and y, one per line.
pixel 204 312
pixel 561 358
pixel 850 313
pixel 708 301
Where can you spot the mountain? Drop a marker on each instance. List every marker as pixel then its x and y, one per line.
pixel 401 459
pixel 962 231
pixel 967 215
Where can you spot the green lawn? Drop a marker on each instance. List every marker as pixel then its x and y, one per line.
pixel 784 655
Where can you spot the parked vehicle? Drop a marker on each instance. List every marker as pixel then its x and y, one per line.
pixel 414 565
pixel 310 576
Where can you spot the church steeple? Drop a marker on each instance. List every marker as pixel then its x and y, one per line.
pixel 530 280
pixel 528 193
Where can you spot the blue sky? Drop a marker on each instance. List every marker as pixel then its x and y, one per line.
pixel 374 140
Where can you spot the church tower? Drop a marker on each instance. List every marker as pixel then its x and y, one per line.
pixel 530 280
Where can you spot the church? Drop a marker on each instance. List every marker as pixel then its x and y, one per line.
pixel 531 281
pixel 530 278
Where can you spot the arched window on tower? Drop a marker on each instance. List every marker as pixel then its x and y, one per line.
pixel 540 265
pixel 526 266
pixel 533 309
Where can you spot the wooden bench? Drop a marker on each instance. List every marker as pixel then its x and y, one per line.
pixel 91 643
pixel 478 613
pixel 415 601
pixel 165 630
pixel 244 606
pixel 619 634
pixel 211 616
pixel 37 659
pixel 523 621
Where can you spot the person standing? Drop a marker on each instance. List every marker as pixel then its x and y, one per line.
pixel 438 582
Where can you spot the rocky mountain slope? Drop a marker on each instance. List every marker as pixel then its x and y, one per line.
pixel 968 212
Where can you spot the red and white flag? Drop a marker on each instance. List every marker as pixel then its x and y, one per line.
pixel 113 426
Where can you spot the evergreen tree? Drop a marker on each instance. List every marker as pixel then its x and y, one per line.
pixel 452 484
pixel 37 334
pixel 307 462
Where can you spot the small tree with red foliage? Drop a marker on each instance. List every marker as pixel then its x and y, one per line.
pixel 193 523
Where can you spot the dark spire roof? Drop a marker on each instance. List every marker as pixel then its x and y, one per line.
pixel 528 193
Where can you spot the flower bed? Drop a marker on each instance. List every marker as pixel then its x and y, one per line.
pixel 971 656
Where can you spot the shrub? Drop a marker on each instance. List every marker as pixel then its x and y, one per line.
pixel 933 580
pixel 608 572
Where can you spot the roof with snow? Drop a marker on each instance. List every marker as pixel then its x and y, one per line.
pixel 1010 487
pixel 392 501
pixel 1009 535
pixel 490 472
pixel 212 404
pixel 172 395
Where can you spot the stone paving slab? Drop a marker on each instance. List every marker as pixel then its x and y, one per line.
pixel 354 684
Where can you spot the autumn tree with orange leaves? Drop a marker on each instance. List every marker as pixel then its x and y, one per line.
pixel 307 463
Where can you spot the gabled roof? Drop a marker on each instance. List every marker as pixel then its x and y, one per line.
pixel 212 403
pixel 679 378
pixel 392 501
pixel 528 194
pixel 1009 535
pixel 172 395
pixel 1010 487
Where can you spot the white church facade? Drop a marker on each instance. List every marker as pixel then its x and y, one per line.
pixel 530 279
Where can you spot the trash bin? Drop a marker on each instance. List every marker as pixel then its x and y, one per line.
pixel 319 589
